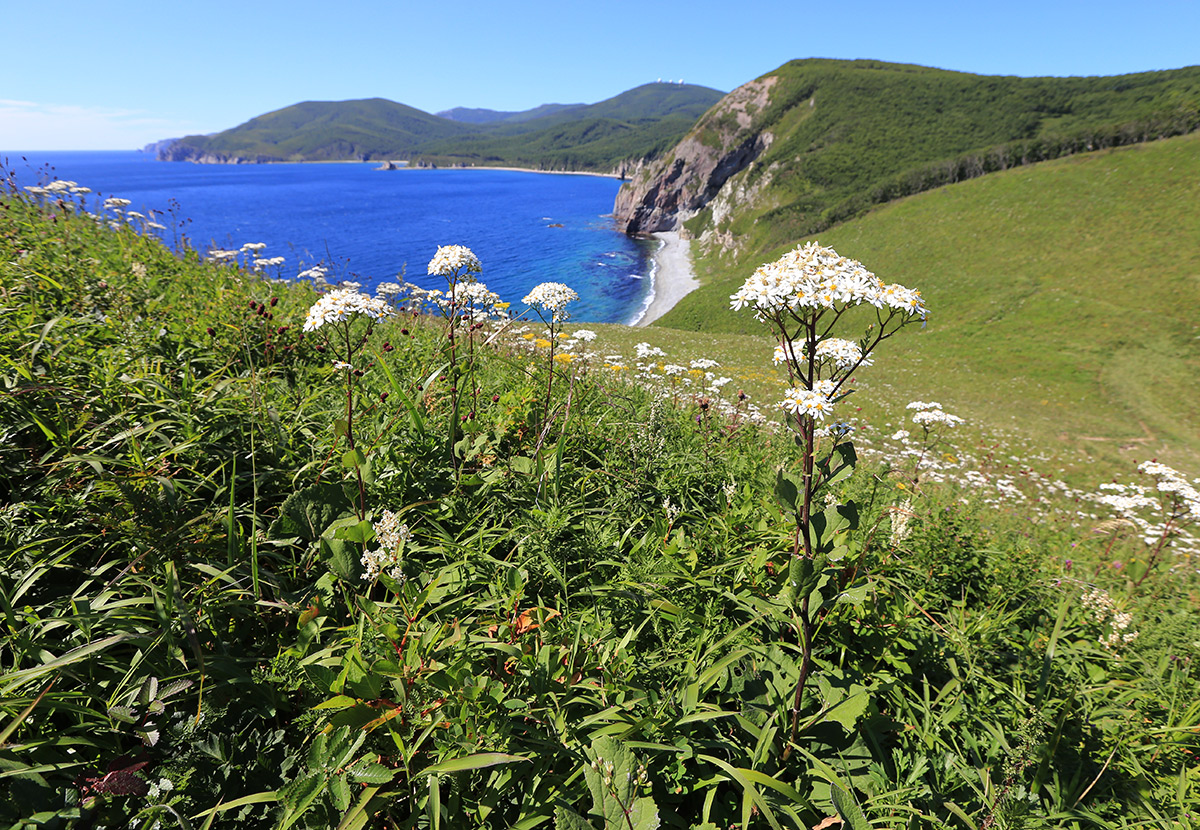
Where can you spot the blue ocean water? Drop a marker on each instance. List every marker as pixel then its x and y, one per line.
pixel 373 226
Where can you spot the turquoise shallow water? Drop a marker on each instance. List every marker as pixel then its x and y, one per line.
pixel 372 226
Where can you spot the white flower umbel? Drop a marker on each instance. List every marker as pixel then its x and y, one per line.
pixel 551 298
pixel 454 261
pixel 391 535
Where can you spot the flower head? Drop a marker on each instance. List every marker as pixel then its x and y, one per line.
pixel 454 261
pixel 342 304
pixel 813 277
pixel 551 297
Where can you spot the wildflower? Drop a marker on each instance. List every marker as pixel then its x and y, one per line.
pixel 454 261
pixel 807 402
pixel 551 297
pixel 813 277
pixel 586 335
pixel 341 304
pixel 391 535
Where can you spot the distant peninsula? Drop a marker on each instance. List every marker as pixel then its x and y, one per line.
pixel 606 137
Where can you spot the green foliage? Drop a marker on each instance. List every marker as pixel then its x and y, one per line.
pixel 635 124
pixel 594 624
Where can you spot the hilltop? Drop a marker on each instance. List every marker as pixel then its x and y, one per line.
pixel 816 142
pixel 595 137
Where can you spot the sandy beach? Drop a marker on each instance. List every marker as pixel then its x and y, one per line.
pixel 673 276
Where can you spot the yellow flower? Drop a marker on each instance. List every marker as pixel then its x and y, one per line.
pixel 528 335
pixel 563 357
pixel 542 343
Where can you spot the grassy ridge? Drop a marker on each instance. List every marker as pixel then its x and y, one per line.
pixel 848 134
pixel 1061 295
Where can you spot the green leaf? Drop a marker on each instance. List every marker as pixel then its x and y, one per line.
pixel 308 512
pixel 848 808
pixel 787 491
pixel 372 773
pixel 477 761
pixel 353 458
pixel 565 819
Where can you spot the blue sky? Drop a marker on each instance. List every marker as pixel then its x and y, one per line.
pixel 87 75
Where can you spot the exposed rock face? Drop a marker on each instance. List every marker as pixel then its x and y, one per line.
pixel 179 151
pixel 661 195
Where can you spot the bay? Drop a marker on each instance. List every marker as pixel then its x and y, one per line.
pixel 373 226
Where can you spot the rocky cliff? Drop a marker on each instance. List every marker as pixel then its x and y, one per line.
pixel 726 140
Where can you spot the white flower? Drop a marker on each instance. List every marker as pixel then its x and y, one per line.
pixel 930 414
pixel 454 261
pixel 391 535
pixel 810 403
pixel 253 247
pixel 814 277
pixel 586 335
pixel 645 350
pixel 341 304
pixel 551 297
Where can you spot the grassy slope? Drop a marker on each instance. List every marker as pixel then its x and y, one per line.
pixel 850 134
pixel 1064 300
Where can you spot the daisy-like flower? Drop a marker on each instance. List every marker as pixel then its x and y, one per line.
pixel 815 277
pixel 810 403
pixel 552 298
pixel 342 304
pixel 454 261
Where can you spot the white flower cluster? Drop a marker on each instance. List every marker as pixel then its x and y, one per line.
pixel 342 304
pixel 58 188
pixel 315 272
pixel 813 403
pixel 391 535
pixel 1182 492
pixel 586 335
pixel 644 350
pixel 844 354
pixel 931 414
pixel 551 297
pixel 1104 612
pixel 454 261
pixel 813 277
pixel 113 203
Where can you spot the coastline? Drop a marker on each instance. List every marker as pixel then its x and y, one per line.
pixel 671 277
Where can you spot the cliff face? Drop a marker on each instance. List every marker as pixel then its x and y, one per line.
pixel 727 139
pixel 179 151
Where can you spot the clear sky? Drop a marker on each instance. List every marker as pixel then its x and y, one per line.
pixel 80 74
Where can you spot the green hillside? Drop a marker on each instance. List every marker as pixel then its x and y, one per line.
pixel 322 131
pixel 1064 294
pixel 817 142
pixel 632 125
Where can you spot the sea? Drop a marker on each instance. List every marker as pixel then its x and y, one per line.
pixel 370 225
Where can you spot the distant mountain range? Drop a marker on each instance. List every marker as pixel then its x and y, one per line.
pixel 604 137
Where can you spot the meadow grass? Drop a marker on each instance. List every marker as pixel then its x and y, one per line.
pixel 244 586
pixel 1061 300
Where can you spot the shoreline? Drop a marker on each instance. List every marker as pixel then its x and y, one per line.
pixel 671 277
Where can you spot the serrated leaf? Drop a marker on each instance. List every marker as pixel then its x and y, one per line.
pixel 339 788
pixel 565 819
pixel 308 512
pixel 122 713
pixel 298 796
pixel 372 773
